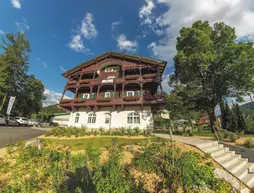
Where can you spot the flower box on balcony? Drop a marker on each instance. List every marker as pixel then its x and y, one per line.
pixel 72 82
pixel 103 99
pixel 65 101
pixel 150 98
pixel 131 98
pixel 131 77
pixel 147 76
pixel 79 100
pixel 85 81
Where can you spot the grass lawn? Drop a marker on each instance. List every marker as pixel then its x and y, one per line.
pixel 95 142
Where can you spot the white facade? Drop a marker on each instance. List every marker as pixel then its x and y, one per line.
pixel 62 120
pixel 129 117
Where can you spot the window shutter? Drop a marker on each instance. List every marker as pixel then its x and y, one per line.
pixel 124 93
pixel 94 96
pixel 116 94
pixel 103 95
pixel 80 96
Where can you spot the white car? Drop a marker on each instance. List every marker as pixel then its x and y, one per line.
pixel 2 120
pixel 33 122
pixel 22 121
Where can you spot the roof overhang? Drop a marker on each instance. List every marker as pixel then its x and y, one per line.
pixel 147 60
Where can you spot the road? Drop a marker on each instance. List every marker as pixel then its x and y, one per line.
pixel 17 133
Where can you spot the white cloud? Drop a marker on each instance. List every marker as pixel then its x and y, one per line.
pixel 87 28
pixel 126 45
pixel 115 24
pixel 182 13
pixel 16 4
pixel 52 97
pixel 165 86
pixel 45 65
pixel 1 32
pixel 77 44
pixel 62 68
pixel 145 12
pixel 22 25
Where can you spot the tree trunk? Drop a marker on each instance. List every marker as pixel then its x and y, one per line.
pixel 223 115
pixel 212 117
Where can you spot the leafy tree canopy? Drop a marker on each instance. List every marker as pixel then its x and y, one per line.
pixel 14 77
pixel 210 64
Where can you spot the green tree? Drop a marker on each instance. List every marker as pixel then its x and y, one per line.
pixel 14 79
pixel 209 64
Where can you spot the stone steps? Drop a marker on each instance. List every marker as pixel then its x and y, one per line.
pixel 234 163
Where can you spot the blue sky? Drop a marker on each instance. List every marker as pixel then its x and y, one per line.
pixel 63 34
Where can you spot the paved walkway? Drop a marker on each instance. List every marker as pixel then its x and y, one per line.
pixel 187 140
pixel 246 153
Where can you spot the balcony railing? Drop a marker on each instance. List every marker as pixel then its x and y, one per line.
pixel 71 82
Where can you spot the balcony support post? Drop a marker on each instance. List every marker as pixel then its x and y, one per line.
pixel 114 91
pixel 98 91
pixel 123 85
pixel 76 93
pixel 91 90
pixel 63 94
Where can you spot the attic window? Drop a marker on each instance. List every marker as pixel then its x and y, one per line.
pixel 112 69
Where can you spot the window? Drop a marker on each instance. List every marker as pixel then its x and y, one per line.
pixel 133 118
pixel 86 96
pixel 91 118
pixel 111 77
pixel 108 94
pixel 77 118
pixel 112 69
pixel 130 93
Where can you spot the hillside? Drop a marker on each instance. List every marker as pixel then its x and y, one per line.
pixel 52 109
pixel 248 108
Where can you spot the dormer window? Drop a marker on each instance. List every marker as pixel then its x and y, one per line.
pixel 112 69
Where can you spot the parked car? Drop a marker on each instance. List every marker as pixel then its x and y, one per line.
pixel 22 121
pixel 2 120
pixel 33 122
pixel 53 124
pixel 12 121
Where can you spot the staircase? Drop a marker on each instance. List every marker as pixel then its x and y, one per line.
pixel 235 164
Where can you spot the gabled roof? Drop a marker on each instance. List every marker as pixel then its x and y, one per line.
pixel 116 54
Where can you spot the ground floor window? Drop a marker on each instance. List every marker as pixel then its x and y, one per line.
pixel 133 118
pixel 77 118
pixel 91 118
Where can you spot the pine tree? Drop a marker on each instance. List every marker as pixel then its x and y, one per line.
pixel 241 123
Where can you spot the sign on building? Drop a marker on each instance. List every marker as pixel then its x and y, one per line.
pixel 10 105
pixel 165 114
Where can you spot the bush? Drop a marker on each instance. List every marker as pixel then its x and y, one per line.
pixel 233 137
pixel 249 143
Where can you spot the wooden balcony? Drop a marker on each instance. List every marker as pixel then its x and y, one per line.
pixel 113 102
pixel 126 79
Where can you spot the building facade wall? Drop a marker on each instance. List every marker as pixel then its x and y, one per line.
pixel 117 118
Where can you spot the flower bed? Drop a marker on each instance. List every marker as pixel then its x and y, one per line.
pixel 79 100
pixel 146 76
pixel 150 98
pixel 65 101
pixel 131 98
pixel 103 100
pixel 131 77
pixel 72 82
pixel 85 81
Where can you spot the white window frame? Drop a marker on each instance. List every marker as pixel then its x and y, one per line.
pixel 111 77
pixel 133 118
pixel 112 69
pixel 130 92
pixel 108 94
pixel 77 118
pixel 91 118
pixel 86 94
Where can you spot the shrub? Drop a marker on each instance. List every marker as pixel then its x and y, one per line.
pixel 103 99
pixel 78 100
pixel 233 137
pixel 146 76
pixel 131 98
pixel 249 143
pixel 65 101
pixel 131 77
